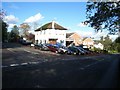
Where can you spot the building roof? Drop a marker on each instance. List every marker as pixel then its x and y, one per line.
pixel 85 38
pixel 51 25
pixel 88 40
pixel 95 42
pixel 69 34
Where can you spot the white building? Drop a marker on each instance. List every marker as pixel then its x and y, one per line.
pixel 51 33
pixel 88 42
pixel 98 45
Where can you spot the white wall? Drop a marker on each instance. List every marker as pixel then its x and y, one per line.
pixel 99 46
pixel 51 34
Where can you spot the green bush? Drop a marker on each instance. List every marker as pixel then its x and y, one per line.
pixel 118 47
pixel 97 50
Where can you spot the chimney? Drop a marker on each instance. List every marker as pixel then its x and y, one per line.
pixel 53 22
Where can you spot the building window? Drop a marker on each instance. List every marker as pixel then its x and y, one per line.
pixel 44 31
pixel 45 41
pixel 61 41
pixel 41 32
pixel 36 41
pixel 40 41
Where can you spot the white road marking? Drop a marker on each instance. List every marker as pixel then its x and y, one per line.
pixel 33 62
pixel 10 49
pixel 82 68
pixel 30 51
pixel 34 53
pixel 23 63
pixel 91 64
pixel 87 66
pixel 12 65
pixel 26 50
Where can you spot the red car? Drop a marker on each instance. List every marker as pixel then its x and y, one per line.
pixel 53 48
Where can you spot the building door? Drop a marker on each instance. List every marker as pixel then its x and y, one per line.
pixel 36 41
pixel 52 41
pixel 68 43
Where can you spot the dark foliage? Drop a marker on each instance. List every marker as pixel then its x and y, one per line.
pixel 104 15
pixel 3 30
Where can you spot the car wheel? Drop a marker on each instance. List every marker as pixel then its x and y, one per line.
pixel 66 52
pixel 56 51
pixel 77 53
pixel 74 53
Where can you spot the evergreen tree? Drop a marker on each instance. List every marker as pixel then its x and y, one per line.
pixel 3 26
pixel 3 29
pixel 14 34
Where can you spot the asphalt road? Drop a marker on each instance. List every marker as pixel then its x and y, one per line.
pixel 25 67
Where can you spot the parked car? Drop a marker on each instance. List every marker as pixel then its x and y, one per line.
pixel 32 45
pixel 91 52
pixel 74 50
pixel 37 46
pixel 81 52
pixel 53 48
pixel 86 51
pixel 24 42
pixel 61 48
pixel 56 49
pixel 44 47
pixel 66 50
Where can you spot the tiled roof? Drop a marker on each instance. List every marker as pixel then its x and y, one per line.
pixel 69 34
pixel 49 26
pixel 88 40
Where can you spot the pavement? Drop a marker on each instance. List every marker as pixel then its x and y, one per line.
pixel 25 67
